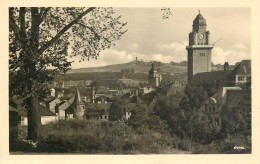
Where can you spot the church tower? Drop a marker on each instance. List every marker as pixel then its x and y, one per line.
pixel 199 49
pixel 79 106
pixel 155 79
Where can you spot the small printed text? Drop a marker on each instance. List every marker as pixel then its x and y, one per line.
pixel 239 147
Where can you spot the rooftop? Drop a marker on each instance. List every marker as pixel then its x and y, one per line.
pixel 244 67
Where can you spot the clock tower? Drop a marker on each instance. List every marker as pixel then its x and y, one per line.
pixel 199 49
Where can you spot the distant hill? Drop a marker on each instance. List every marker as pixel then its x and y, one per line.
pixel 138 66
pixel 143 67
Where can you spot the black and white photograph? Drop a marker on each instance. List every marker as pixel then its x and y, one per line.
pixel 130 81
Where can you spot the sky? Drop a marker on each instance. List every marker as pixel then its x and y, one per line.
pixel 151 38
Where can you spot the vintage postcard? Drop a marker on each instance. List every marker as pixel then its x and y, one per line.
pixel 130 82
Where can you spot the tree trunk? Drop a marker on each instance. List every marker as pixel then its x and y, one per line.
pixel 34 119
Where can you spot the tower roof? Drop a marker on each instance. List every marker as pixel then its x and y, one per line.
pixel 199 20
pixel 153 69
pixel 77 99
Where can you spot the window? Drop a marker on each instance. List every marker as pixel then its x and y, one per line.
pixel 213 109
pixel 240 78
pixel 202 54
pixel 217 121
pixel 248 79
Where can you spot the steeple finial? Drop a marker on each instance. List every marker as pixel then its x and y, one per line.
pixel 199 11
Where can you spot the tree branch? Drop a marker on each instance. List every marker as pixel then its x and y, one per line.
pixel 35 18
pixel 23 38
pixel 44 14
pixel 13 26
pixel 91 29
pixel 53 40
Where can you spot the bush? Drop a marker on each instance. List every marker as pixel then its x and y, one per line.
pixel 91 136
pixel 87 136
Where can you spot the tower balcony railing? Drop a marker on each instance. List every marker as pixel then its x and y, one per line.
pixel 200 46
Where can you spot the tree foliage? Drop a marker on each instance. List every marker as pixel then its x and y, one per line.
pixel 41 39
pixel 116 110
pixel 194 97
pixel 187 121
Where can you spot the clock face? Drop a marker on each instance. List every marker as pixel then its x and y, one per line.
pixel 201 36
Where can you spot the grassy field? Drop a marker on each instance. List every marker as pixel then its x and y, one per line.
pixel 94 137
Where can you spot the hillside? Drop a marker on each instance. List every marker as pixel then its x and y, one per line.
pixel 138 66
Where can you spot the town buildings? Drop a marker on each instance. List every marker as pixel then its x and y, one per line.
pixel 97 100
pixel 233 86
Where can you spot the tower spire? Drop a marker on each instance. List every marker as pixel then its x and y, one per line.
pixel 77 99
pixel 199 11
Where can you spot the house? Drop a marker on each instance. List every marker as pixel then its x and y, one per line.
pixel 175 87
pixel 239 76
pixel 51 105
pixel 128 109
pixel 145 90
pixel 47 116
pixel 100 91
pixel 98 111
pixel 226 99
pixel 238 99
pixel 60 110
pixel 88 82
pixel 71 83
pixel 242 73
pixel 73 108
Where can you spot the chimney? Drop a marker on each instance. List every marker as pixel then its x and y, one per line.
pixel 226 66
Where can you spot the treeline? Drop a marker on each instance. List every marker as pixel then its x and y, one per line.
pixel 190 124
pixel 101 76
pixel 89 76
pixel 182 63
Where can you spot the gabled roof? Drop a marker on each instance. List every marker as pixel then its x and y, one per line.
pixel 42 111
pixel 65 105
pixel 219 77
pixel 102 90
pixel 49 99
pixel 97 106
pixel 221 94
pixel 244 67
pixel 234 97
pixel 21 112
